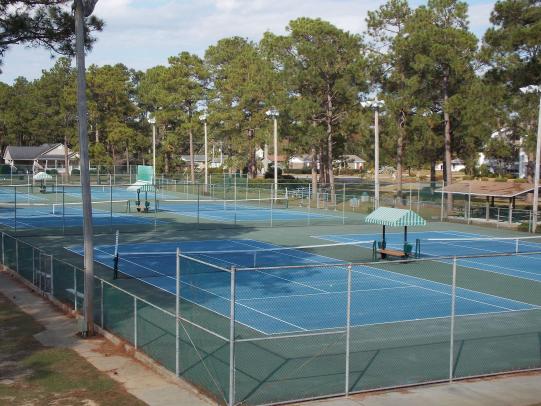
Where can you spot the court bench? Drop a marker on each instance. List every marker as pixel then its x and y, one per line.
pixel 384 252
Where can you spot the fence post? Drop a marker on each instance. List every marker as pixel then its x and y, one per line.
pixel 34 282
pixel 452 333
pixel 348 329
pixel 177 315
pixel 344 204
pixel 271 203
pixel 52 277
pixel 17 255
pixel 135 321
pixel 75 288
pixel 101 304
pixel 442 202
pixel 232 339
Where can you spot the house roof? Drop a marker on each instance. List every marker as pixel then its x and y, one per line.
pixel 388 216
pixel 488 188
pixel 353 158
pixel 26 153
pixel 29 153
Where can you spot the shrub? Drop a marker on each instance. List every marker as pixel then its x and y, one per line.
pixel 500 180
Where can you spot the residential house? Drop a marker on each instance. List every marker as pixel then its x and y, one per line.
pixel 40 158
pixel 353 162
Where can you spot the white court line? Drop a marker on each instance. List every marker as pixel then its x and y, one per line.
pixel 211 293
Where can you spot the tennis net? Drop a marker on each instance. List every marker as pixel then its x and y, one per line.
pixel 478 246
pixel 162 264
pixel 61 209
pixel 174 205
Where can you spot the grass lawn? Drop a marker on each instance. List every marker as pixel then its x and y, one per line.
pixel 32 374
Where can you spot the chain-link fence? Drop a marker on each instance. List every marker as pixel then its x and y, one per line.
pixel 50 209
pixel 270 334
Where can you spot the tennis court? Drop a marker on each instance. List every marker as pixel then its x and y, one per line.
pixel 450 243
pixel 246 210
pixel 303 295
pixel 57 215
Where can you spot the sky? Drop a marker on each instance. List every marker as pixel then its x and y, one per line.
pixel 144 33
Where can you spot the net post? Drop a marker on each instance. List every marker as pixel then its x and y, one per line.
pixel 232 338
pixel 452 330
pixel 135 322
pixel 517 246
pixel 63 210
pixel 348 329
pixel 177 314
pixel 3 250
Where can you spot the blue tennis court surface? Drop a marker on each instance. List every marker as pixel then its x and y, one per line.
pixel 301 298
pixel 521 266
pixel 47 216
pixel 239 211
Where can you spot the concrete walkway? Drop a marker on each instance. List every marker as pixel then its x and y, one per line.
pixel 60 331
pixel 161 390
pixel 508 390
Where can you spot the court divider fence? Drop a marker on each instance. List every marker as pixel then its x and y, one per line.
pixel 460 322
pixel 46 209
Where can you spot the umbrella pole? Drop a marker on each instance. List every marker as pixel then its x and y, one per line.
pixel 384 243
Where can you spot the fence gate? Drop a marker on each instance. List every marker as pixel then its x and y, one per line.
pixel 43 271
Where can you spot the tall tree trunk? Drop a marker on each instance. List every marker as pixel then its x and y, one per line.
pixel 166 163
pixel 252 167
pixel 97 135
pixel 313 158
pixel 400 151
pixel 192 165
pixel 330 147
pixel 66 160
pixel 447 140
pixel 433 171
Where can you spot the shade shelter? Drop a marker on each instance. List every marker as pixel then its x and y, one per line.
pixel 391 217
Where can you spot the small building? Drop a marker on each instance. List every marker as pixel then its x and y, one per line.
pixel 299 162
pixel 32 159
pixel 457 165
pixel 353 162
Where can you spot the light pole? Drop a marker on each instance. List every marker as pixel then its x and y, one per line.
pixel 82 9
pixel 537 90
pixel 152 120
pixel 375 105
pixel 203 119
pixel 273 113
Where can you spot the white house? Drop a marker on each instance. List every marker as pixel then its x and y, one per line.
pixel 353 162
pixel 40 158
pixel 457 165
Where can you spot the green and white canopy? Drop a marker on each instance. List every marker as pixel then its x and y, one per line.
pixel 388 216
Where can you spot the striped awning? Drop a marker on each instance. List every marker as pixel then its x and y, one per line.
pixel 388 216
